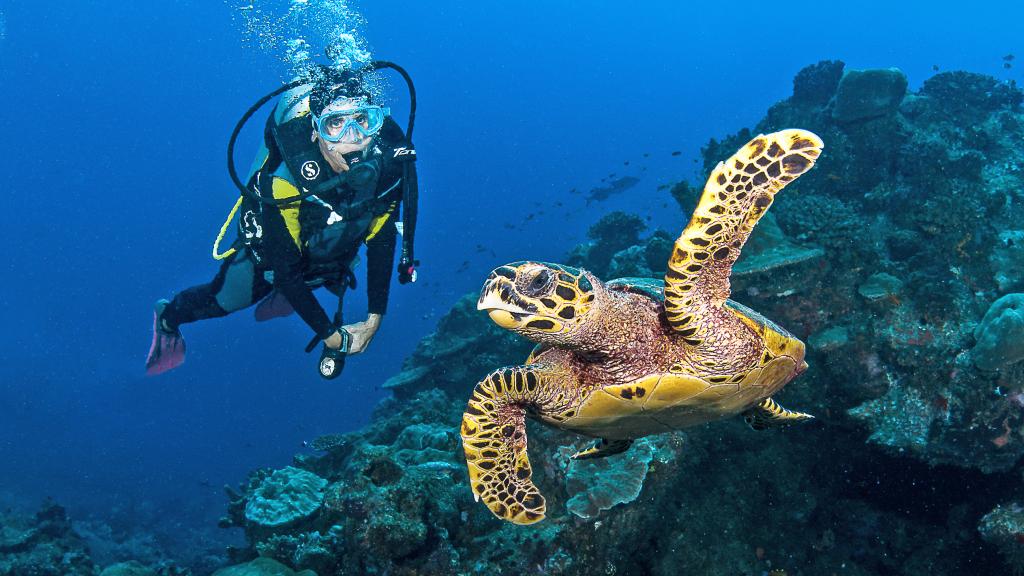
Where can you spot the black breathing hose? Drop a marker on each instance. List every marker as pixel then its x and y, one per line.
pixel 377 65
pixel 234 137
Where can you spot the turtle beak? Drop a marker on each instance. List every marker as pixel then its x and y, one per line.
pixel 490 295
pixel 503 313
pixel 503 318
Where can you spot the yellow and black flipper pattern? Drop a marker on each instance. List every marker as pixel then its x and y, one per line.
pixel 738 192
pixel 494 439
pixel 769 414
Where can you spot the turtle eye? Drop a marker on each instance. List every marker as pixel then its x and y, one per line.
pixel 540 283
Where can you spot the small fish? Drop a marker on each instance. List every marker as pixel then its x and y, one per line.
pixel 935 67
pixel 647 154
pixel 1009 57
pixel 437 469
pixel 676 152
pixel 615 187
pixel 626 163
pixel 1007 65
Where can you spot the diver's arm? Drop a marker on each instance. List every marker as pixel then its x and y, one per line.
pixel 286 261
pixel 380 257
pixel 380 260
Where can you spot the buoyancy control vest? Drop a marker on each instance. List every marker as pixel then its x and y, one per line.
pixel 336 211
pixel 402 154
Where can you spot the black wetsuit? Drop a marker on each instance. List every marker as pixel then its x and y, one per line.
pixel 299 246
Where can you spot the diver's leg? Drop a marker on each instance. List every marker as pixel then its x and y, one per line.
pixel 238 284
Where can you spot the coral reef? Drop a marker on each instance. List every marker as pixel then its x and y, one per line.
pixel 261 567
pixel 49 543
pixel 600 484
pixel 884 259
pixel 866 94
pixel 1007 260
pixel 467 344
pixel 42 545
pixel 1004 528
pixel 1000 336
pixel 880 286
pixel 131 568
pixel 284 497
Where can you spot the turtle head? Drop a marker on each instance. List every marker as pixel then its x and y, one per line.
pixel 546 303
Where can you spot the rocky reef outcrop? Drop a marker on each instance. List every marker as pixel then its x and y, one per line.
pixel 48 543
pixel 896 259
pixel 42 545
pixel 1000 335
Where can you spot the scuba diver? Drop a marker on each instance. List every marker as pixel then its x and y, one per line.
pixel 330 176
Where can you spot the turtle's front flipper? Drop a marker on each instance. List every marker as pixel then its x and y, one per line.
pixel 737 194
pixel 603 448
pixel 494 438
pixel 769 414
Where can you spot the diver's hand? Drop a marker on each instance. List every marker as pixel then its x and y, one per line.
pixel 334 341
pixel 362 333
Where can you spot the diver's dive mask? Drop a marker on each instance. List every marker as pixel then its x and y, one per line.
pixel 350 125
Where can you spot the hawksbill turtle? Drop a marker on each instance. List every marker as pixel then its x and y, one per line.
pixel 633 357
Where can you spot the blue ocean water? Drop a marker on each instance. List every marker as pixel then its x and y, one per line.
pixel 116 117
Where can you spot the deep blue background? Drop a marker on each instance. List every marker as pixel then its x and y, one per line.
pixel 115 116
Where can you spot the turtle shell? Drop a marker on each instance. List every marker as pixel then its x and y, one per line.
pixel 653 288
pixel 667 401
pixel 772 333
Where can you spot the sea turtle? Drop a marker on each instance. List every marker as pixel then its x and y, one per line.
pixel 634 357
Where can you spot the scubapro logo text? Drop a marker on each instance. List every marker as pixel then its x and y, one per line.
pixel 310 170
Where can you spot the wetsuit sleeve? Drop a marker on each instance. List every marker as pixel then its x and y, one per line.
pixel 380 259
pixel 285 260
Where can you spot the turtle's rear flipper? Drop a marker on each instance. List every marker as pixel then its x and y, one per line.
pixel 494 439
pixel 769 414
pixel 603 448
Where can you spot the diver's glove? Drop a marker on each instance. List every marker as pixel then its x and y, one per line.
pixel 332 360
pixel 407 270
